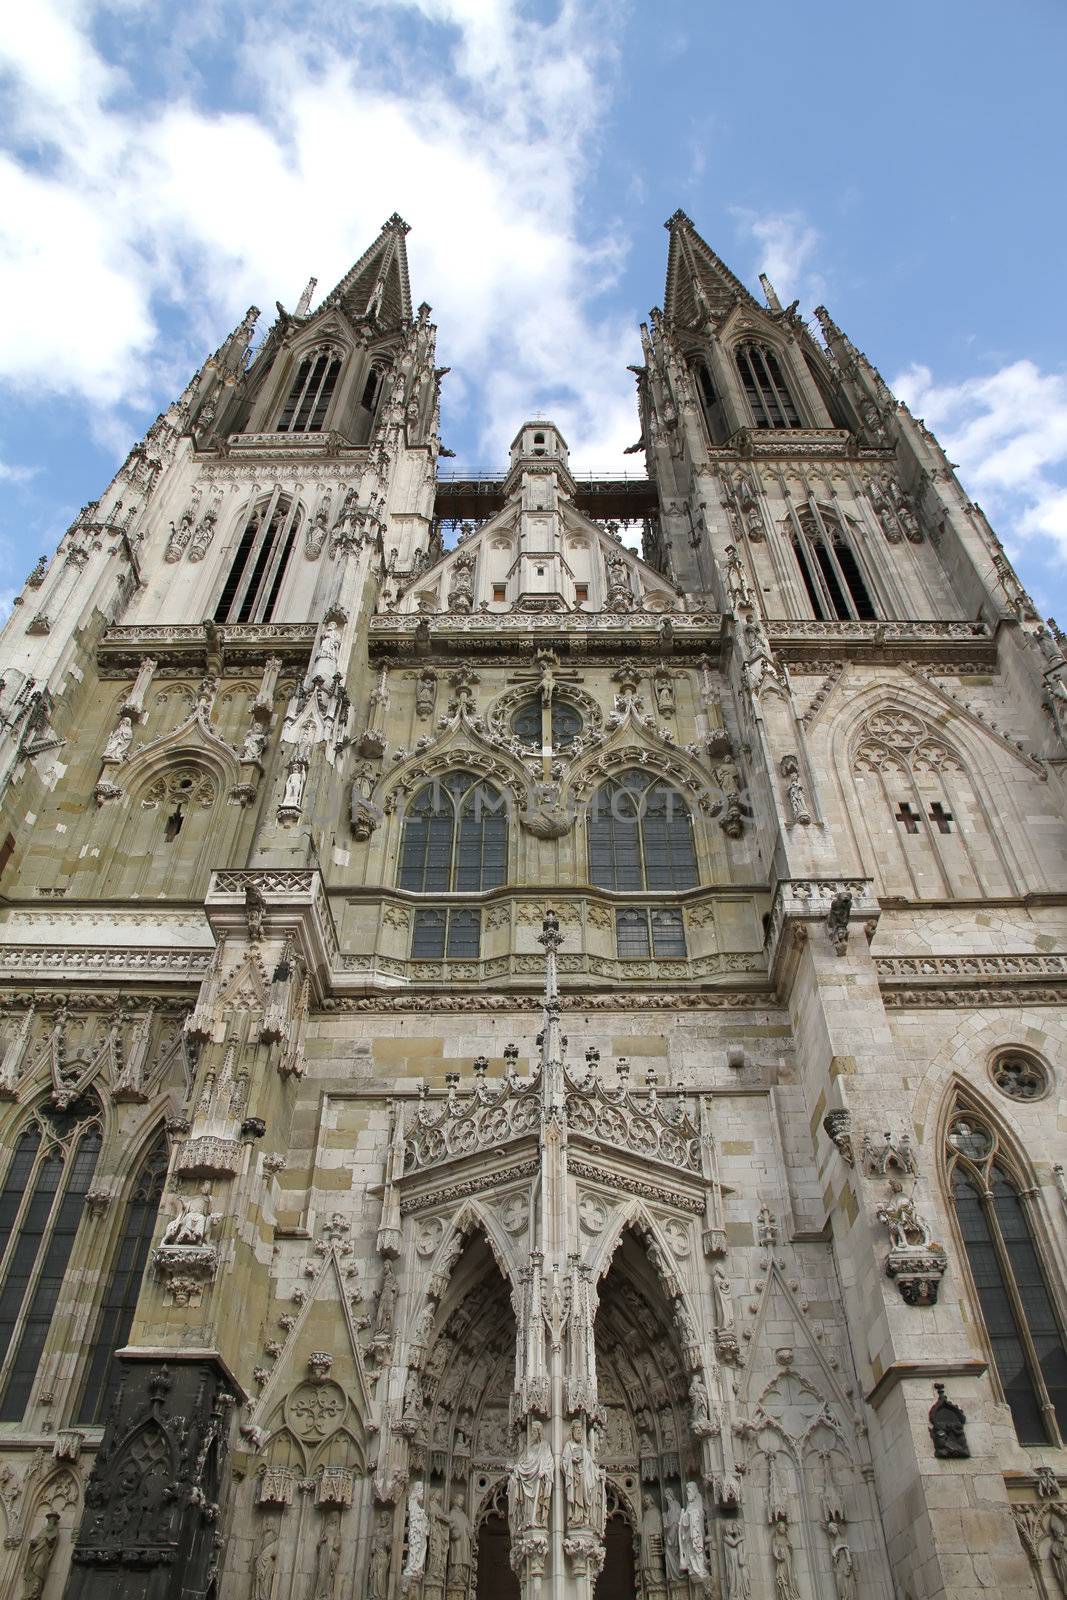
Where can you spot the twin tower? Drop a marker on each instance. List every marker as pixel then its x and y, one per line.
pixel 528 1069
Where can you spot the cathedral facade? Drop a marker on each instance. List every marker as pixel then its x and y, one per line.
pixel 528 1070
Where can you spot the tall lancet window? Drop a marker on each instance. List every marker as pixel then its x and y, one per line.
pixel 309 398
pixel 41 1205
pixel 993 1202
pixel 640 836
pixel 455 842
pixel 765 388
pixel 831 572
pixel 115 1316
pixel 250 592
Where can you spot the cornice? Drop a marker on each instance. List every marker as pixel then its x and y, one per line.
pixel 184 647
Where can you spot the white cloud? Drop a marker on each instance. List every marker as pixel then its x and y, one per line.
pixel 1008 433
pixel 786 241
pixel 10 474
pixel 138 208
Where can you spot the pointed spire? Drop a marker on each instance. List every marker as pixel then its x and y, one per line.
pixel 770 292
pixel 377 285
pixel 699 285
pixel 303 305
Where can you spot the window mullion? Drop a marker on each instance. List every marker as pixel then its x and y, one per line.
pixel 276 556
pixel 1018 1311
pixel 18 1323
pixel 262 532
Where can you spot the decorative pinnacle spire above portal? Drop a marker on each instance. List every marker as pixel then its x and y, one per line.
pixel 552 1085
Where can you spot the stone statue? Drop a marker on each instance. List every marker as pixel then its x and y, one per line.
pixel 120 739
pixel 437 1541
pixel 295 778
pixel 841 1562
pixel 255 743
pixel 378 1570
pixel 418 1537
pixel 579 1479
pixel 672 1513
pixel 329 649
pixel 733 1550
pixel 651 1542
pixel 42 1548
pixel 699 1407
pixel 386 1311
pixel 265 1562
pixel 907 1229
pixel 191 1224
pixel 530 1483
pixel 327 1557
pixel 459 1548
pixel 947 1428
pixel 785 1587
pixel 724 1305
pixel 692 1557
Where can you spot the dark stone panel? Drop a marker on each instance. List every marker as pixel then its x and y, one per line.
pixel 150 1529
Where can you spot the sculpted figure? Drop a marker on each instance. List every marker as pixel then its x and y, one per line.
pixel 733 1549
pixel 437 1544
pixel 1057 1551
pixel 530 1483
pixel 785 1587
pixel 700 1410
pixel 418 1537
pixel 651 1542
pixel 266 1560
pixel 327 1557
pixel 295 778
pixel 844 1567
pixel 724 1305
pixel 672 1513
pixel 378 1570
pixel 386 1310
pixel 459 1547
pixel 692 1557
pixel 120 739
pixel 191 1224
pixel 579 1479
pixel 42 1548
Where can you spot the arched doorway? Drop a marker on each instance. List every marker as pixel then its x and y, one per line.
pixel 495 1579
pixel 617 1580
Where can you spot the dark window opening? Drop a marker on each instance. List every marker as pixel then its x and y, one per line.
pixel 372 387
pixel 173 825
pixel 581 593
pixel 454 934
pixel 500 591
pixel 308 400
pixel 641 931
pixel 765 388
pixel 253 583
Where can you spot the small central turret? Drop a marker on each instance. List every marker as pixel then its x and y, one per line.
pixel 540 477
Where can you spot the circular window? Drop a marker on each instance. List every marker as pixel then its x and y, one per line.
pixel 566 724
pixel 1019 1075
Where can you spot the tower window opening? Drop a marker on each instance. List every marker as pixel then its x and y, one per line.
pixel 830 571
pixel 765 388
pixel 253 583
pixel 372 388
pixel 309 398
pixel 173 825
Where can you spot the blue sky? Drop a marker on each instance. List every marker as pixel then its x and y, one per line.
pixel 162 167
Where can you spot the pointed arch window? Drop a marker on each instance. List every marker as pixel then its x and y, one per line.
pixel 455 837
pixel 312 390
pixel 250 592
pixel 115 1316
pixel 992 1203
pixel 41 1205
pixel 373 387
pixel 770 401
pixel 835 583
pixel 640 836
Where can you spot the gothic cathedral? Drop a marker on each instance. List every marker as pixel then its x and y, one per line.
pixel 528 1070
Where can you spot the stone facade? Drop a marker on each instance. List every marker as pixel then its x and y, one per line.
pixel 574 1224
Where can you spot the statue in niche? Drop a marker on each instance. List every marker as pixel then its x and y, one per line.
pixel 724 1304
pixel 459 1548
pixel 841 1563
pixel 327 1558
pixel 692 1556
pixel 785 1587
pixel 42 1548
pixel 700 1408
pixel 264 1565
pixel 378 1570
pixel 579 1479
pixel 386 1309
pixel 191 1225
pixel 418 1537
pixel 733 1550
pixel 437 1541
pixel 947 1428
pixel 120 739
pixel 530 1483
pixel 255 743
pixel 651 1542
pixel 672 1513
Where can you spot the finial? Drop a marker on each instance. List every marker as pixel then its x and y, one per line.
pixel 481 1067
pixel 678 219
pixel 550 935
pixel 304 303
pixel 768 289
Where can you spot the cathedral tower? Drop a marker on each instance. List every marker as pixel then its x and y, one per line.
pixel 527 1069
